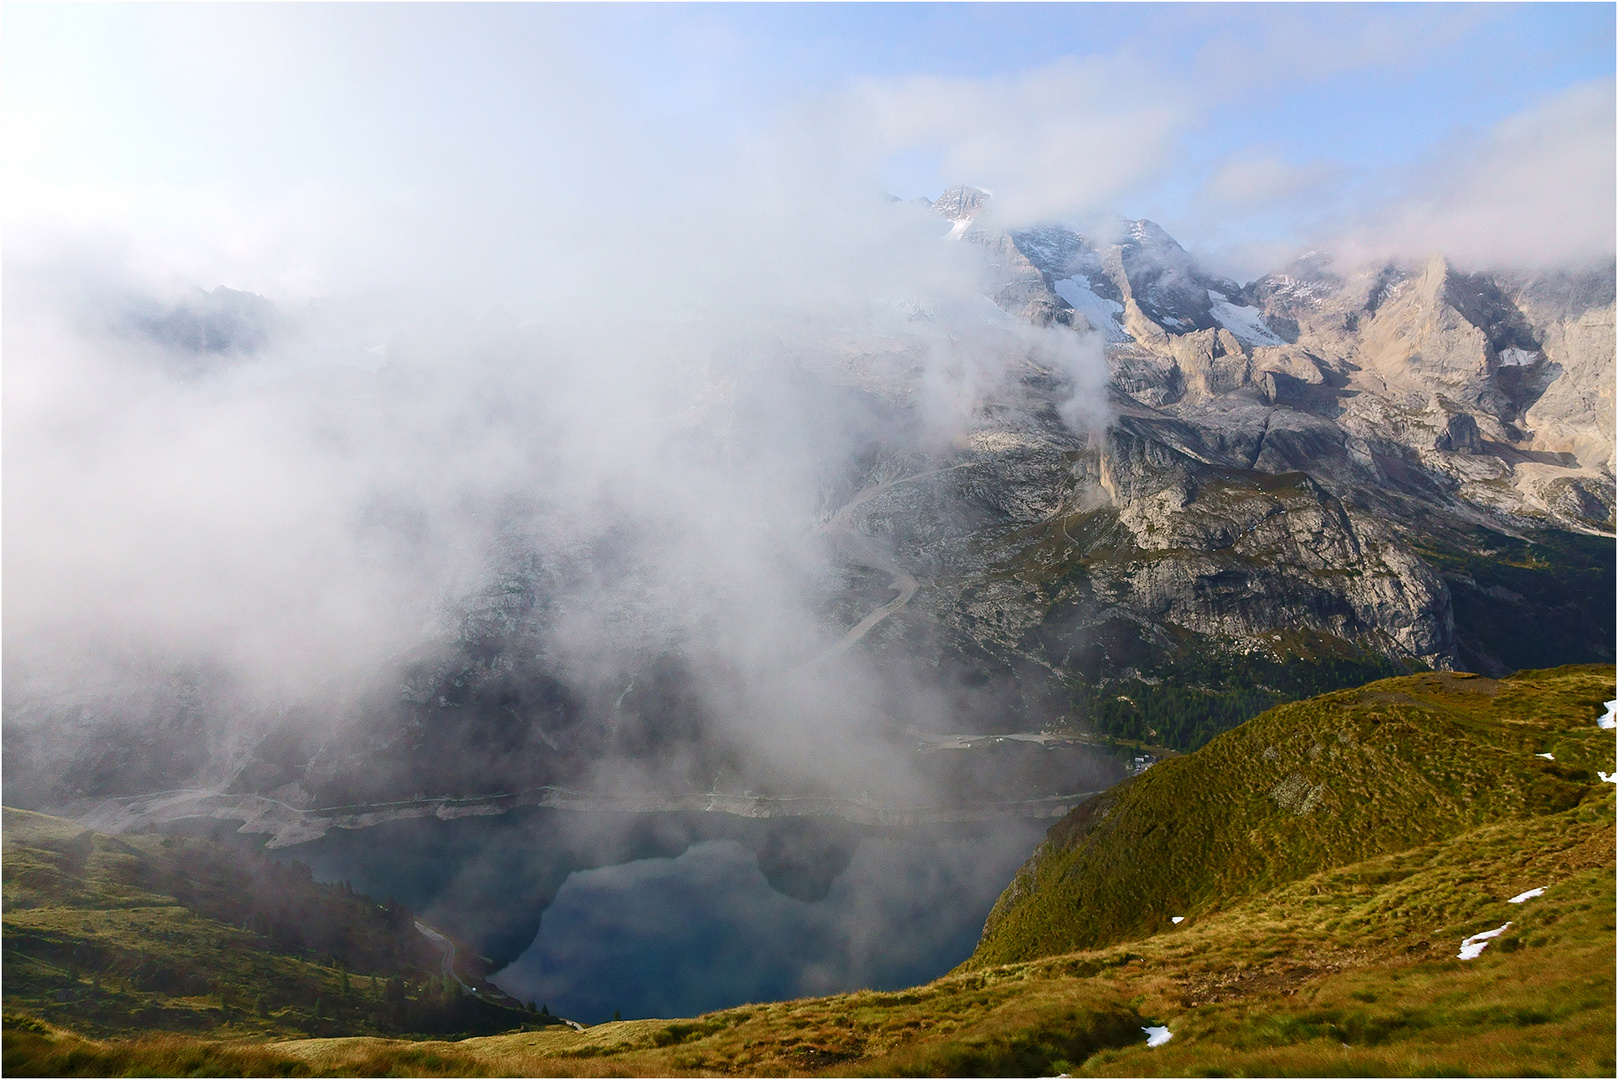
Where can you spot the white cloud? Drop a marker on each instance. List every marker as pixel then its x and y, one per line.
pixel 1535 190
pixel 1261 183
pixel 1066 139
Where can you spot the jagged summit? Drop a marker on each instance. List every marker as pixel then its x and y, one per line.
pixel 1505 377
pixel 1149 234
pixel 960 203
pixel 1127 280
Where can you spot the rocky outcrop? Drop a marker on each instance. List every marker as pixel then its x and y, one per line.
pixel 1289 457
pixel 1493 392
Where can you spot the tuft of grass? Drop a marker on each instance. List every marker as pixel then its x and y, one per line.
pixel 33 1048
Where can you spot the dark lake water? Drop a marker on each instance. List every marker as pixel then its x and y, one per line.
pixel 672 915
pixel 675 914
pixel 705 930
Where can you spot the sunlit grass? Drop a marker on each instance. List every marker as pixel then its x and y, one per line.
pixel 1346 969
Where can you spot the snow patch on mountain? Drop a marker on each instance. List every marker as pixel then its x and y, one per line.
pixel 1247 323
pixel 1101 313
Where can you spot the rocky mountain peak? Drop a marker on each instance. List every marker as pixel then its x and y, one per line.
pixel 1149 234
pixel 961 203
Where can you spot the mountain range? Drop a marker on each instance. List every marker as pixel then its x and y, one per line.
pixel 1326 475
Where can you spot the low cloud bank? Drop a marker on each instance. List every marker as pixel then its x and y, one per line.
pixel 225 510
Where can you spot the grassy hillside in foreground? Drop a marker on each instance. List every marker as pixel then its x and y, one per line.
pixel 1349 970
pixel 1306 786
pixel 107 934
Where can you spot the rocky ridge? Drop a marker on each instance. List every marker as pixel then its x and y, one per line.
pixel 1282 453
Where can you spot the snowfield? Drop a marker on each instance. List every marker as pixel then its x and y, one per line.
pixel 1098 311
pixel 1245 323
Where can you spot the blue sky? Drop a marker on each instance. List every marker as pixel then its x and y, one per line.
pixel 1248 130
pixel 1414 75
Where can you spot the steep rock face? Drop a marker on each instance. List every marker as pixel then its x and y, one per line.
pixel 1321 452
pixel 1488 388
pixel 960 203
pixel 1572 410
pixel 1421 344
pixel 1496 388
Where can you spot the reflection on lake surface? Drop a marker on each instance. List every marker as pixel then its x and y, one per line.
pixel 705 930
pixel 676 914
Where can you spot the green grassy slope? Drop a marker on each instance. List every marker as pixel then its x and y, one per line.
pixel 1347 972
pixel 1334 780
pixel 1337 958
pixel 111 934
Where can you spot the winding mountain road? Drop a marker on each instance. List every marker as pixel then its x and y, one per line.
pixel 448 965
pixel 864 550
pixel 448 968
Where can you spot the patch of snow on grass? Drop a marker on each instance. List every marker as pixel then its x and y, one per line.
pixel 1098 311
pixel 1246 323
pixel 1610 718
pixel 1607 778
pixel 1157 1036
pixel 1177 920
pixel 1547 757
pixel 1473 947
pixel 1522 896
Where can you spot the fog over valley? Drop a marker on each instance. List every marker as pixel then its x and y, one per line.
pixel 602 537
pixel 675 503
